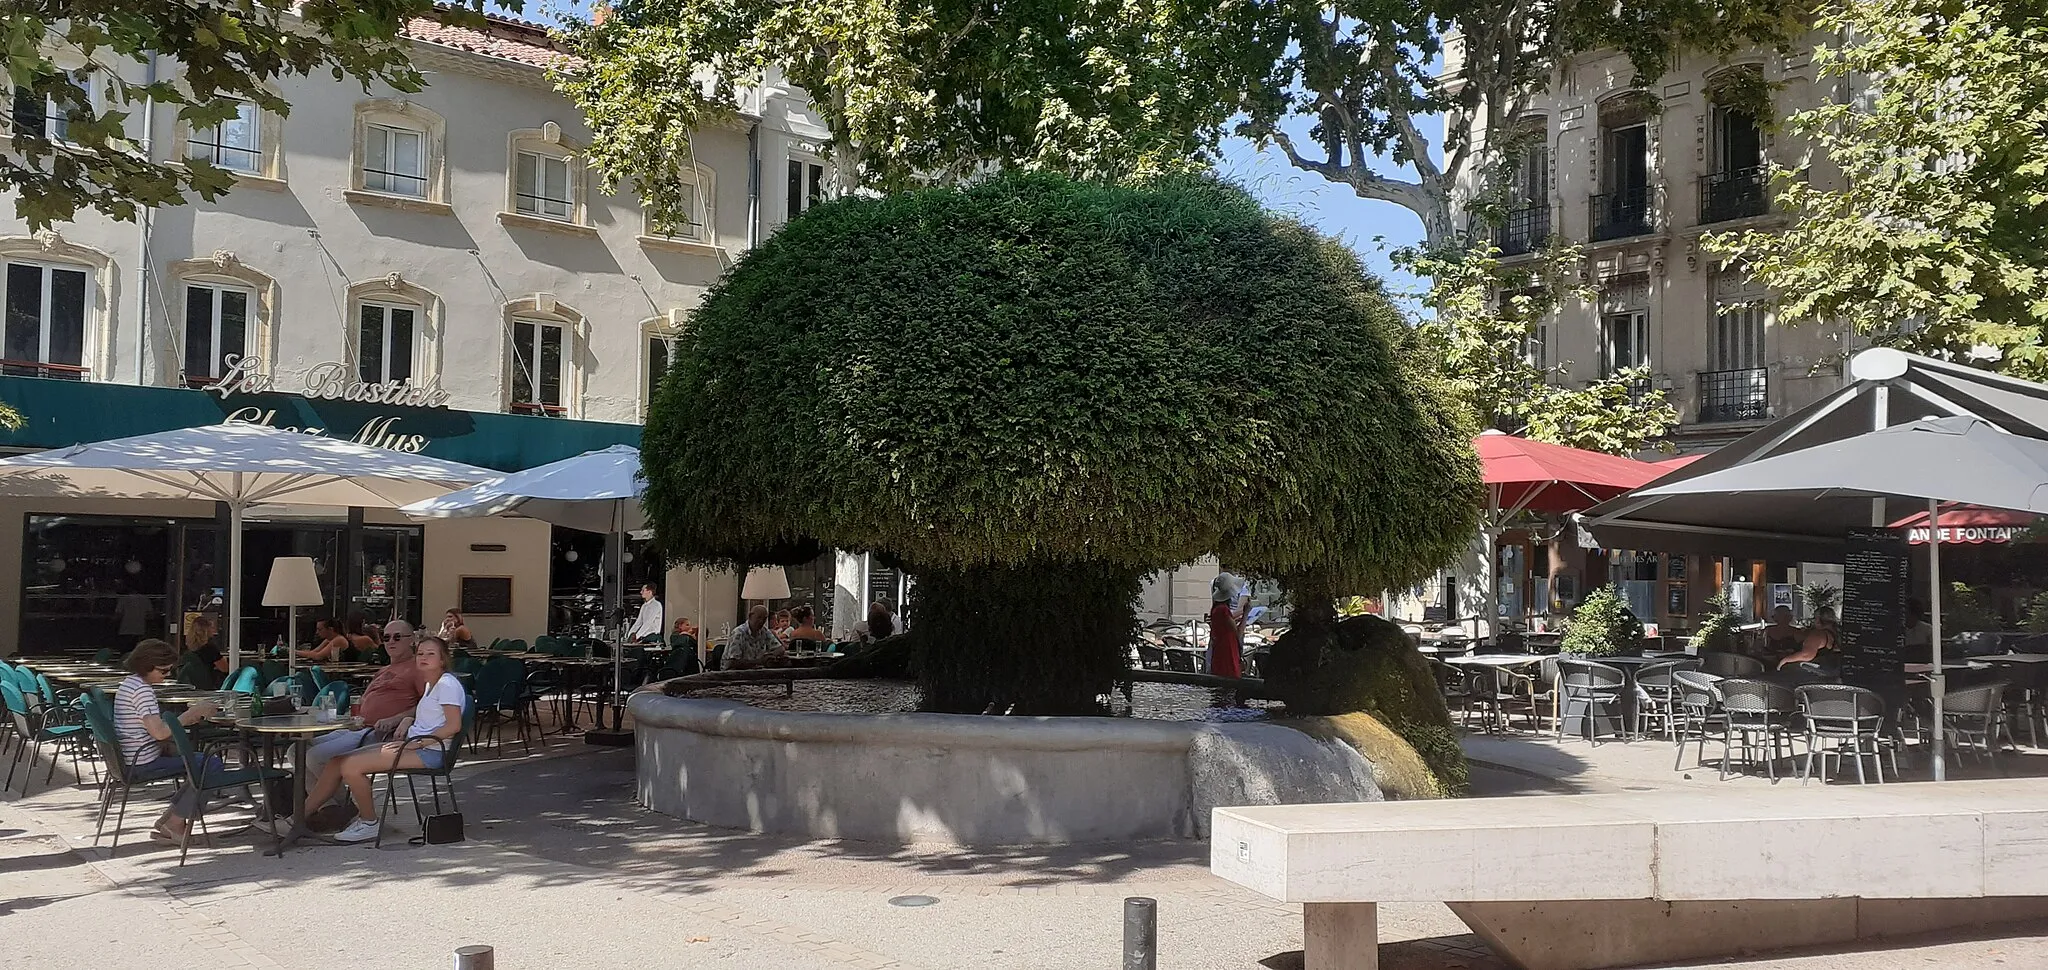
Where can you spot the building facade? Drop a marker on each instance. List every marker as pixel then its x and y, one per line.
pixel 1634 177
pixel 436 271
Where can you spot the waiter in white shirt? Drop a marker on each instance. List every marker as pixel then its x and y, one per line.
pixel 649 622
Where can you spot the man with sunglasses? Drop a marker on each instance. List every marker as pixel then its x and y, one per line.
pixel 390 698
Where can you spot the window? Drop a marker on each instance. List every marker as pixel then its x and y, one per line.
pixel 537 366
pixel 1624 341
pixel 660 350
pixel 49 115
pixel 1738 337
pixel 1622 208
pixel 235 144
pixel 1536 349
pixel 806 185
pixel 216 328
pixel 384 342
pixel 395 161
pixel 45 328
pixel 541 186
pixel 697 202
pixel 1737 188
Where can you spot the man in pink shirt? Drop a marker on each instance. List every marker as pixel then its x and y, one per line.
pixel 391 696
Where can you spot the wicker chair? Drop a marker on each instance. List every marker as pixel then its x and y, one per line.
pixel 1658 693
pixel 1851 718
pixel 1696 712
pixel 1758 709
pixel 1597 685
pixel 1975 719
pixel 1722 664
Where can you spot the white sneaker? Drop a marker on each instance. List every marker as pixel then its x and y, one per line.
pixel 360 830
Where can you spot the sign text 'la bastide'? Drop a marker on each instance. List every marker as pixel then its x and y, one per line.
pixel 332 381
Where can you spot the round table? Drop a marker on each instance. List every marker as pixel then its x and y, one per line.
pixel 300 730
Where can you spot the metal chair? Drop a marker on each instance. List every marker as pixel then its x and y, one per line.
pixel 1696 706
pixel 1493 690
pixel 1975 716
pixel 1758 707
pixel 1597 685
pixel 1722 664
pixel 1849 717
pixel 1657 692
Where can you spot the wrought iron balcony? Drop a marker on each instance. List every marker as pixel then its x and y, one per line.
pixel 1740 194
pixel 1617 215
pixel 1522 230
pixel 1735 395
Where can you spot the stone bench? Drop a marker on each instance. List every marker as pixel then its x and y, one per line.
pixel 1581 882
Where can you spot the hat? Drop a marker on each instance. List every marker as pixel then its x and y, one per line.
pixel 1223 588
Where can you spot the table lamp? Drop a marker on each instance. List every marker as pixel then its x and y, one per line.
pixel 766 583
pixel 293 583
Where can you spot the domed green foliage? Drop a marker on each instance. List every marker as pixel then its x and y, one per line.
pixel 1040 374
pixel 1602 626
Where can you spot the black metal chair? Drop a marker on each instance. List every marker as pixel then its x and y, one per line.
pixel 1849 717
pixel 434 776
pixel 1597 686
pixel 1758 709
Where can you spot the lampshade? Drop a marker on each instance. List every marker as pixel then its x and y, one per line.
pixel 293 582
pixel 765 583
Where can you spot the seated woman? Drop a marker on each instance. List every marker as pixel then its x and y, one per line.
pixel 144 737
pixel 803 632
pixel 1781 635
pixel 454 631
pixel 200 643
pixel 360 643
pixel 1820 636
pixel 331 643
pixel 436 720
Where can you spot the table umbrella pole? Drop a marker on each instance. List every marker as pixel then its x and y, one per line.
pixel 1937 681
pixel 234 584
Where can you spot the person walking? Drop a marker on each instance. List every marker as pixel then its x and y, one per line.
pixel 1226 633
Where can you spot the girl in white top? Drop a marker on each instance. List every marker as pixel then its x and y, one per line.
pixel 433 725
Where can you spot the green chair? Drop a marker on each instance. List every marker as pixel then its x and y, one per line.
pixel 434 776
pixel 32 725
pixel 106 655
pixel 246 681
pixel 319 677
pixel 337 689
pixel 99 720
pixel 198 776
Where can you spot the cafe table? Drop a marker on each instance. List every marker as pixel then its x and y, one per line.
pixel 299 730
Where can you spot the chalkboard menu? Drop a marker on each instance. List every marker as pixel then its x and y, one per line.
pixel 1874 581
pixel 487 595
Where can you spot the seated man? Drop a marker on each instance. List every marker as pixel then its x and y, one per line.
pixel 391 696
pixel 753 642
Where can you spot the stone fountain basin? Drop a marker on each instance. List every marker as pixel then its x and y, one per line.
pixel 972 780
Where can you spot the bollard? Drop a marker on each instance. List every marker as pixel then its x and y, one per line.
pixel 473 958
pixel 1141 933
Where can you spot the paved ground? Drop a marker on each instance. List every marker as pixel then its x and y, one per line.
pixel 562 871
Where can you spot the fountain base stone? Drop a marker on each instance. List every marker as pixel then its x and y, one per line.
pixel 972 780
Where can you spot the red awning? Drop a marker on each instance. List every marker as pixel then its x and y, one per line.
pixel 1673 464
pixel 1968 523
pixel 1523 474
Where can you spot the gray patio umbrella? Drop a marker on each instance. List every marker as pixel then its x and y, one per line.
pixel 1829 487
pixel 597 491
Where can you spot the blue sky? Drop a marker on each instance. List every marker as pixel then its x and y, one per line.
pixel 1370 228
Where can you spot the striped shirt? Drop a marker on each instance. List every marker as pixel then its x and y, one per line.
pixel 133 702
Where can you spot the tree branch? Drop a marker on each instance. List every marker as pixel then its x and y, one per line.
pixel 1366 183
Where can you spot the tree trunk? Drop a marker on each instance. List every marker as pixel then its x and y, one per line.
pixel 1041 638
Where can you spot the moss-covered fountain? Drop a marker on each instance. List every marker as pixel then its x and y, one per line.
pixel 1030 393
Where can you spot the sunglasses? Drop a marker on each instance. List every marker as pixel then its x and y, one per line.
pixel 388 637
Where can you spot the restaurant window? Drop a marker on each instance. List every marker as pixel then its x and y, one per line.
pixel 806 185
pixel 384 342
pixel 216 329
pixel 235 144
pixel 45 328
pixel 538 350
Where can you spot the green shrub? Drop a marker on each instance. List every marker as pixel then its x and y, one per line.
pixel 1603 626
pixel 1033 380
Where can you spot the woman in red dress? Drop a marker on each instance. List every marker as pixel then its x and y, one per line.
pixel 1226 642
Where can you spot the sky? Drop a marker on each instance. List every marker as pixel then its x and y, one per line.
pixel 1370 228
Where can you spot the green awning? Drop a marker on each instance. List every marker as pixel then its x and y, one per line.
pixel 63 413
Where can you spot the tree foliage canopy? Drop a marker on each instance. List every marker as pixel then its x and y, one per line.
pixel 1039 370
pixel 212 55
pixel 1931 238
pixel 917 91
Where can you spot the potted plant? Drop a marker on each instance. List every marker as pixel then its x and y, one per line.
pixel 1602 626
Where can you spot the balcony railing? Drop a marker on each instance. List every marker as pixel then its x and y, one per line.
pixel 1522 230
pixel 32 368
pixel 1735 395
pixel 1617 215
pixel 1740 194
